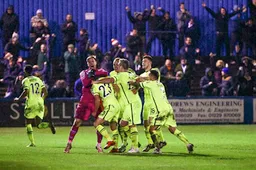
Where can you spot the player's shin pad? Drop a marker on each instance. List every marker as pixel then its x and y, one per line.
pixel 30 133
pixel 134 136
pixel 148 136
pixel 181 136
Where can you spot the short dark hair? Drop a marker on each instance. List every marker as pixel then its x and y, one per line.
pixel 148 57
pixel 154 73
pixel 124 63
pixel 28 69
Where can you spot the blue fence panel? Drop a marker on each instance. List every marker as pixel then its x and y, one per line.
pixel 111 19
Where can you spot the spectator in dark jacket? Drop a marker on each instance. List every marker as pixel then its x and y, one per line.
pixel 168 39
pixel 249 37
pixel 227 86
pixel 189 52
pixel 9 23
pixel 208 84
pixel 133 43
pixel 178 87
pixel 38 31
pixel 252 7
pixel 116 50
pixel 139 23
pixel 244 85
pixel 14 47
pixel 221 26
pixel 69 29
pixel 83 46
pixel 71 69
pixel 107 63
pixel 58 90
pixel 42 57
pixel 183 16
pixel 192 30
pixel 153 25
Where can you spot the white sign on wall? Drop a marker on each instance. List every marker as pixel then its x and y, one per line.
pixel 208 110
pixel 89 16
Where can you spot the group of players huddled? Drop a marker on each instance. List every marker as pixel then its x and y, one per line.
pixel 113 99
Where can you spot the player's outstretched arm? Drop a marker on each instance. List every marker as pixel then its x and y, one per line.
pixel 106 80
pixel 23 94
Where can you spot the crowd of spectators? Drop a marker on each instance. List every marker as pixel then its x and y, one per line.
pixel 177 71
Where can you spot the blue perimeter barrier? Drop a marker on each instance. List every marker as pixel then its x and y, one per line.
pixel 194 110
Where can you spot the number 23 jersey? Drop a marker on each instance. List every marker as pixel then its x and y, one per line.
pixel 106 93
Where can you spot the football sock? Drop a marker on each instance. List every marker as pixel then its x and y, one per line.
pixel 155 138
pixel 30 133
pixel 115 137
pixel 99 137
pixel 126 134
pixel 134 136
pixel 104 132
pixel 181 136
pixel 72 133
pixel 148 136
pixel 160 134
pixel 43 125
pixel 121 133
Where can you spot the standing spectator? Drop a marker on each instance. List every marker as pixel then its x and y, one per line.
pixel 183 16
pixel 9 23
pixel 38 17
pixel 178 87
pixel 153 25
pixel 189 52
pixel 236 34
pixel 133 42
pixel 252 7
pixel 12 70
pixel 168 39
pixel 58 90
pixel 221 27
pixel 247 66
pixel 137 64
pixel 83 45
pixel 106 64
pixel 139 23
pixel 96 51
pixel 116 50
pixel 71 69
pixel 14 47
pixel 192 30
pixel 208 84
pixel 186 70
pixel 69 29
pixel 226 87
pixel 38 31
pixel 244 85
pixel 249 37
pixel 42 56
pixel 167 74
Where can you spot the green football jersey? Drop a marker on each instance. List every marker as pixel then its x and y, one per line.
pixel 147 95
pixel 157 92
pixel 106 93
pixel 122 79
pixel 34 85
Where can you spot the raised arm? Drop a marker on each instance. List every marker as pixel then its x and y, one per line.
pixel 106 80
pixel 212 13
pixel 230 15
pixel 129 14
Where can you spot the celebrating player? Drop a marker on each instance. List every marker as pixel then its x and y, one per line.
pixel 86 105
pixel 35 93
pixel 148 102
pixel 162 112
pixel 132 102
pixel 105 92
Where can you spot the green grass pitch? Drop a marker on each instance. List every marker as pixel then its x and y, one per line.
pixel 216 147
